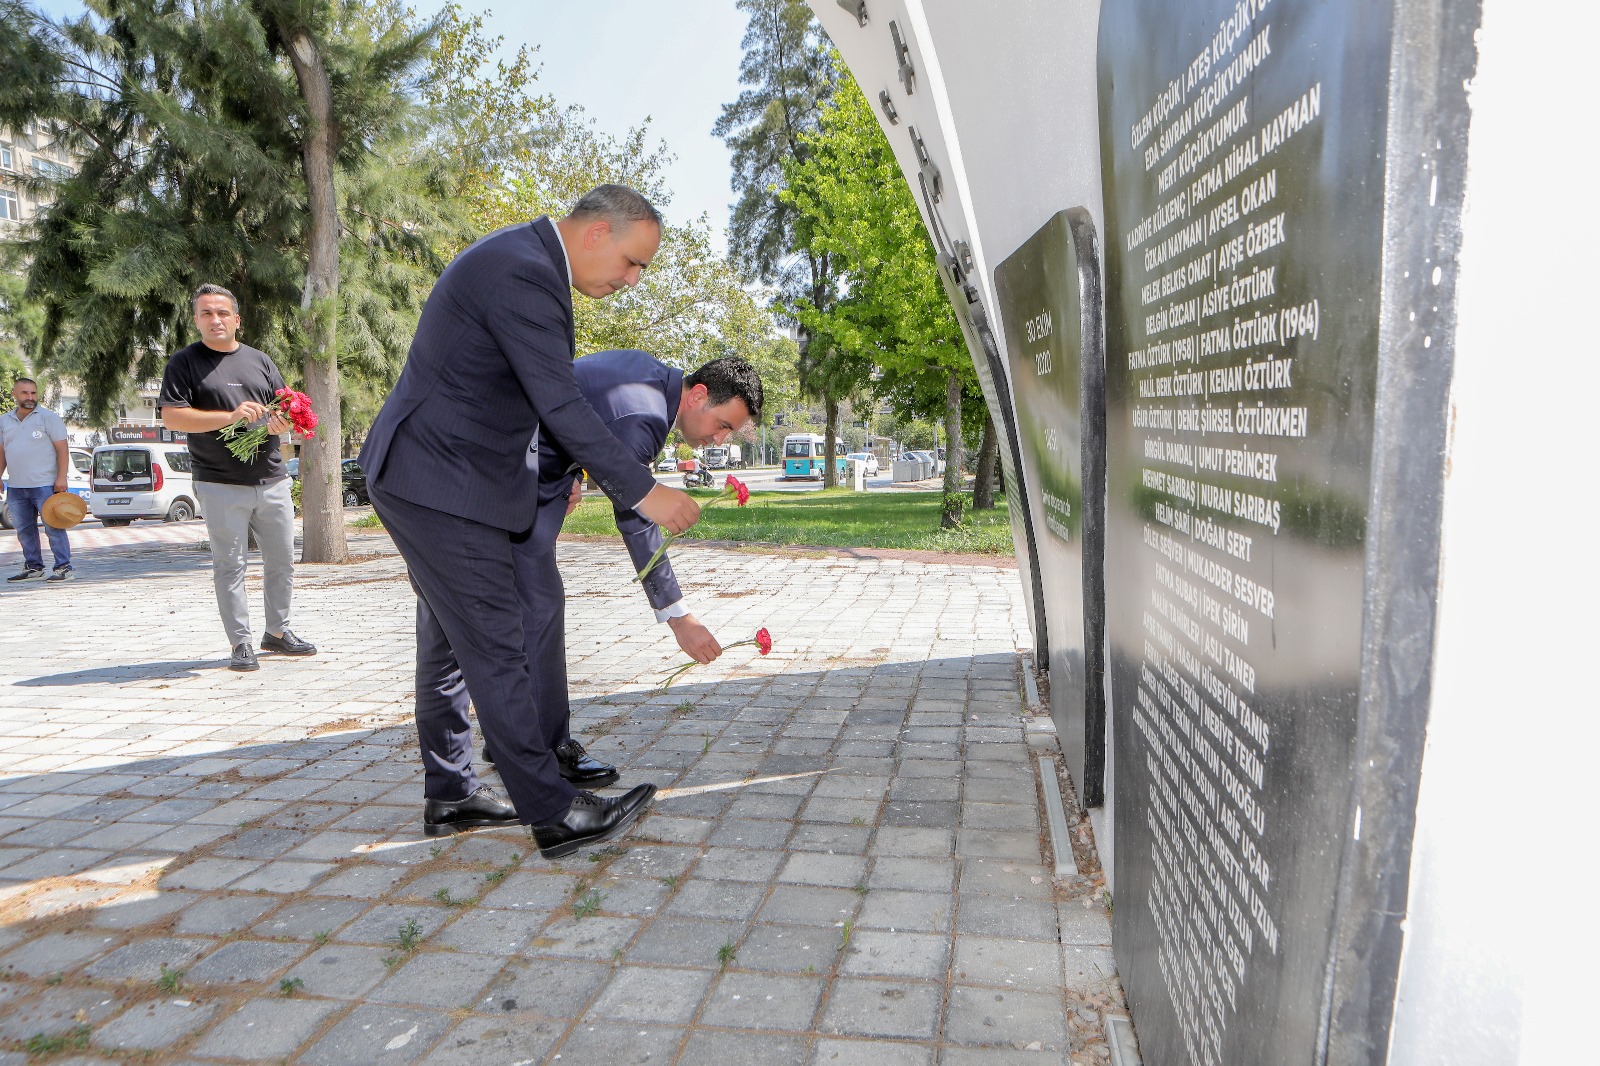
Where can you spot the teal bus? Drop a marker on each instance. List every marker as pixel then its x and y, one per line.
pixel 804 457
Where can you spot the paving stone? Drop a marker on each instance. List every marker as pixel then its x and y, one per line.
pixel 909 842
pixel 132 911
pixel 764 805
pixel 1084 925
pixel 652 994
pixel 585 938
pixel 1002 916
pixel 374 1033
pixel 266 1028
pixel 763 1001
pixel 343 970
pixel 614 1045
pixel 55 953
pixel 683 941
pixel 305 919
pixel 1022 845
pixel 876 952
pixel 56 1011
pixel 511 1038
pixel 838 1052
pixel 1089 969
pixel 927 912
pixel 789 949
pixel 808 905
pixel 716 899
pixel 362 882
pixel 1024 964
pixel 988 1016
pixel 144 959
pixel 867 1007
pixel 547 988
pixel 1032 1053
pixel 283 877
pixel 154 1025
pixel 492 931
pixel 669 830
pixel 738 864
pixel 439 979
pixel 1005 877
pixel 729 1048
pixel 815 868
pixel 245 960
pixel 383 924
pixel 751 833
pixel 846 811
pixel 653 860
pixel 223 914
pixel 203 875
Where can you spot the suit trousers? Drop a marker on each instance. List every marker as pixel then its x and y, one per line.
pixel 544 621
pixel 469 616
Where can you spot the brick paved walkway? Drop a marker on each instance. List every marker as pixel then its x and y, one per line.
pixel 846 864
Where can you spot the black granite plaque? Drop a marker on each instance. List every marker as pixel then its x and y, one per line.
pixel 1049 294
pixel 1243 150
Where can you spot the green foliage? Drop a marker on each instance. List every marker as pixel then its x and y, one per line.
pixel 75 1039
pixel 187 124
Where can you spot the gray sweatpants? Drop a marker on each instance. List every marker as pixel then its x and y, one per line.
pixel 231 512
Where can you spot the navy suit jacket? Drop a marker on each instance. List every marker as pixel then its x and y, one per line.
pixel 489 376
pixel 636 396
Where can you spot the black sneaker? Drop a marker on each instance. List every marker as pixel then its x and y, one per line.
pixel 61 573
pixel 30 573
pixel 288 644
pixel 243 658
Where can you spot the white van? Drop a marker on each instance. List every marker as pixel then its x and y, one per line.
pixel 149 480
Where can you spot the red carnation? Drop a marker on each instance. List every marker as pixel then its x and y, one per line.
pixel 763 641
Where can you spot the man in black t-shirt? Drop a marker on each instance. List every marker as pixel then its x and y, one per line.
pixel 208 386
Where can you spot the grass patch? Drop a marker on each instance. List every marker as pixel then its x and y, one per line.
pixel 831 518
pixel 369 520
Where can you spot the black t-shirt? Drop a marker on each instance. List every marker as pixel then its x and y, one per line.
pixel 209 380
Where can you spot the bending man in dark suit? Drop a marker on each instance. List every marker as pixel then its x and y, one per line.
pixel 452 468
pixel 640 399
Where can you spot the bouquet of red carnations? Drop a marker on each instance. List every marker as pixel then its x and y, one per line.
pixel 762 640
pixel 244 441
pixel 733 490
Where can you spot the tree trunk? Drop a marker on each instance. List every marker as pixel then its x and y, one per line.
pixel 988 459
pixel 950 516
pixel 322 486
pixel 830 440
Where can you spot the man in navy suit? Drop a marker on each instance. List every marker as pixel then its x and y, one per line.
pixel 640 400
pixel 452 468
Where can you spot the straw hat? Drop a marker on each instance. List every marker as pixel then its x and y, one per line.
pixel 63 510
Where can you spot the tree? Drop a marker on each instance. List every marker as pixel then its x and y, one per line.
pixel 893 314
pixel 204 132
pixel 792 72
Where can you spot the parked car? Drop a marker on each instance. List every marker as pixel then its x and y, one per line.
pixel 293 467
pixel 868 458
pixel 152 480
pixel 355 483
pixel 668 461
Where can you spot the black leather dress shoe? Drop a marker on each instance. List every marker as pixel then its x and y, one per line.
pixel 481 808
pixel 576 765
pixel 288 644
pixel 582 769
pixel 590 820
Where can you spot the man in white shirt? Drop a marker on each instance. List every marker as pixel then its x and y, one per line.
pixel 33 449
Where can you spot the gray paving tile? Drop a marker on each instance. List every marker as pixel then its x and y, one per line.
pixel 928 912
pixel 509 1038
pixel 734 1047
pixel 763 1001
pixel 440 979
pixel 1032 1053
pixel 676 941
pixel 818 868
pixel 608 1045
pixel 1006 877
pixel 57 1011
pixel 305 919
pixel 880 953
pixel 1089 969
pixel 838 1052
pixel 738 864
pixel 145 958
pixel 155 1025
pixel 266 1028
pixel 492 931
pixel 223 914
pixel 546 988
pixel 716 899
pixel 892 1008
pixel 1005 1018
pixel 1000 916
pixel 810 905
pixel 789 949
pixel 585 938
pixel 913 842
pixel 384 923
pixel 343 971
pixel 55 953
pixel 245 960
pixel 750 833
pixel 1021 845
pixel 376 1033
pixel 651 994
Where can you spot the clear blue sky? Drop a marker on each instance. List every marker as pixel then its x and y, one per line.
pixel 673 61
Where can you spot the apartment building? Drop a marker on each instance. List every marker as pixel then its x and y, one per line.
pixel 30 152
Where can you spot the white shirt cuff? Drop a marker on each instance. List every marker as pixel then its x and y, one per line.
pixel 671 610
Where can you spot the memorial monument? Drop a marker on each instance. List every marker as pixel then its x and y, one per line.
pixel 1209 257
